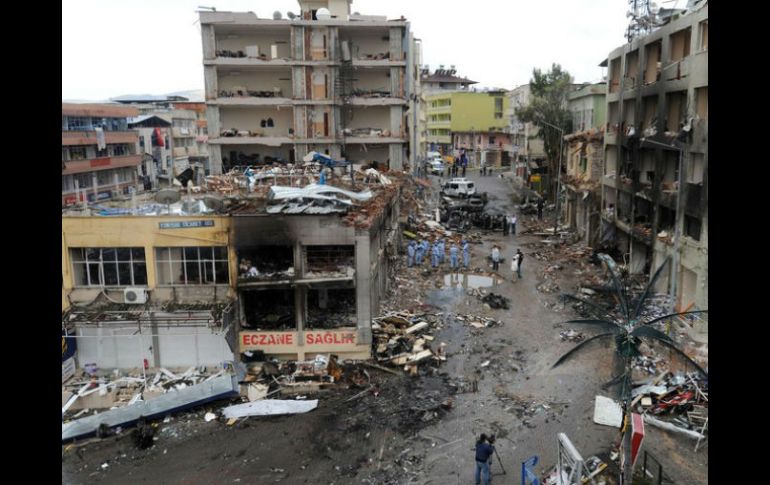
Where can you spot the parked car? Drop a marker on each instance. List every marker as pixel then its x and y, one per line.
pixel 459 187
pixel 436 167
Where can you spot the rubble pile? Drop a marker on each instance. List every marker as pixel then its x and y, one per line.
pixel 401 339
pixel 496 301
pixel 476 321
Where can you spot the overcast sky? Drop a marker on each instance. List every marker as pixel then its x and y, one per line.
pixel 114 47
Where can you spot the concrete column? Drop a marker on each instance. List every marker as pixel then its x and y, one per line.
pixel 211 83
pixel 209 42
pixel 396 42
pixel 155 341
pixel 363 284
pixel 215 159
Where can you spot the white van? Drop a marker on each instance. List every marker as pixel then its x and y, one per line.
pixel 459 187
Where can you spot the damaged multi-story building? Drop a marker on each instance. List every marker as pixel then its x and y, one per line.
pixel 325 80
pixel 655 183
pixel 584 157
pixel 274 269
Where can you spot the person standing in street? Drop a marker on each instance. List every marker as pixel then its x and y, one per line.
pixel 519 259
pixel 506 220
pixel 513 224
pixel 495 258
pixel 410 254
pixel 419 252
pixel 466 254
pixel 484 452
pixel 540 205
pixel 453 253
pixel 465 163
pixel 441 251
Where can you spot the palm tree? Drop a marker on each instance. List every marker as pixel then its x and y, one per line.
pixel 628 329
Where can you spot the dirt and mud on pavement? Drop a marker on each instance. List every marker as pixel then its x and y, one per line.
pixel 449 362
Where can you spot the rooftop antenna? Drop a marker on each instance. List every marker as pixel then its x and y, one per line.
pixel 167 197
pixel 291 15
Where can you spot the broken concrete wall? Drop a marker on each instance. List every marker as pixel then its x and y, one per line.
pixel 262 80
pixel 251 119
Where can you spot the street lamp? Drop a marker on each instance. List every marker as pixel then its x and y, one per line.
pixel 558 173
pixel 675 259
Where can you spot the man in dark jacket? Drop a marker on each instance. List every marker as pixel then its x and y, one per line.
pixel 540 204
pixel 520 257
pixel 484 452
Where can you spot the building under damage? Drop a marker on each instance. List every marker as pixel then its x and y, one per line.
pixel 325 80
pixel 283 266
pixel 655 183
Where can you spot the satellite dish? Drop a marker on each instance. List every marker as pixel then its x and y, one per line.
pixel 323 14
pixel 277 15
pixel 214 203
pixel 291 15
pixel 167 196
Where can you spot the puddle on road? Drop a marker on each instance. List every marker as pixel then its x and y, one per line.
pixel 465 281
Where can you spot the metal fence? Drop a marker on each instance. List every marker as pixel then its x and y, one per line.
pixel 651 472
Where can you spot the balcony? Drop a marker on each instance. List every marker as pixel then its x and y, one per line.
pixel 93 164
pixel 89 137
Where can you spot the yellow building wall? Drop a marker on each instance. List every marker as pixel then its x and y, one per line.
pixel 138 231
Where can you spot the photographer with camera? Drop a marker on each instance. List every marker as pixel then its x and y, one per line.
pixel 484 451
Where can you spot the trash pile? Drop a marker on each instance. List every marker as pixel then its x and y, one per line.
pixel 401 339
pixel 496 301
pixel 95 389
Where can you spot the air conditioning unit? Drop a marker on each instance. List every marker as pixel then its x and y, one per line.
pixel 135 296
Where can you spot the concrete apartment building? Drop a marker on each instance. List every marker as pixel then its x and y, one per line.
pixel 655 184
pixel 99 157
pixel 186 146
pixel 584 159
pixel 470 121
pixel 443 80
pixel 528 150
pixel 327 81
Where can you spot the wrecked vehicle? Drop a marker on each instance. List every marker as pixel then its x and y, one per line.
pixel 458 187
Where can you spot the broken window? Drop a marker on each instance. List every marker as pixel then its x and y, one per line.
pixel 330 260
pixel 624 207
pixel 677 110
pixel 653 66
pixel 109 266
pixel 266 262
pixel 667 218
pixel 695 168
pixel 643 213
pixel 649 111
pixel 269 310
pixel 632 69
pixel 692 226
pixel 702 102
pixel 331 308
pixel 78 153
pixel 704 35
pixel 680 44
pixel 615 75
pixel 192 266
pixel 614 117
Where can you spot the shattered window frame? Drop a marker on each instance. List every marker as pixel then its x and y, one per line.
pixel 195 265
pixel 108 267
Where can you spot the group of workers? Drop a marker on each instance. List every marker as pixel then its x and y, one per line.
pixel 417 251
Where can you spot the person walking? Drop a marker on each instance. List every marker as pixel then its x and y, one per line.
pixel 410 250
pixel 453 253
pixel 465 163
pixel 441 251
pixel 484 452
pixel 495 258
pixel 506 221
pixel 513 224
pixel 519 258
pixel 514 266
pixel 466 254
pixel 540 205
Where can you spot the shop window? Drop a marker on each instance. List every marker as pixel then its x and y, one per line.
pixel 192 266
pixel 109 266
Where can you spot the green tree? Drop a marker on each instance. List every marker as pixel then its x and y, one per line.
pixel 549 104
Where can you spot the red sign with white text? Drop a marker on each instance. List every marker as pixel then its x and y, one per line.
pixel 277 341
